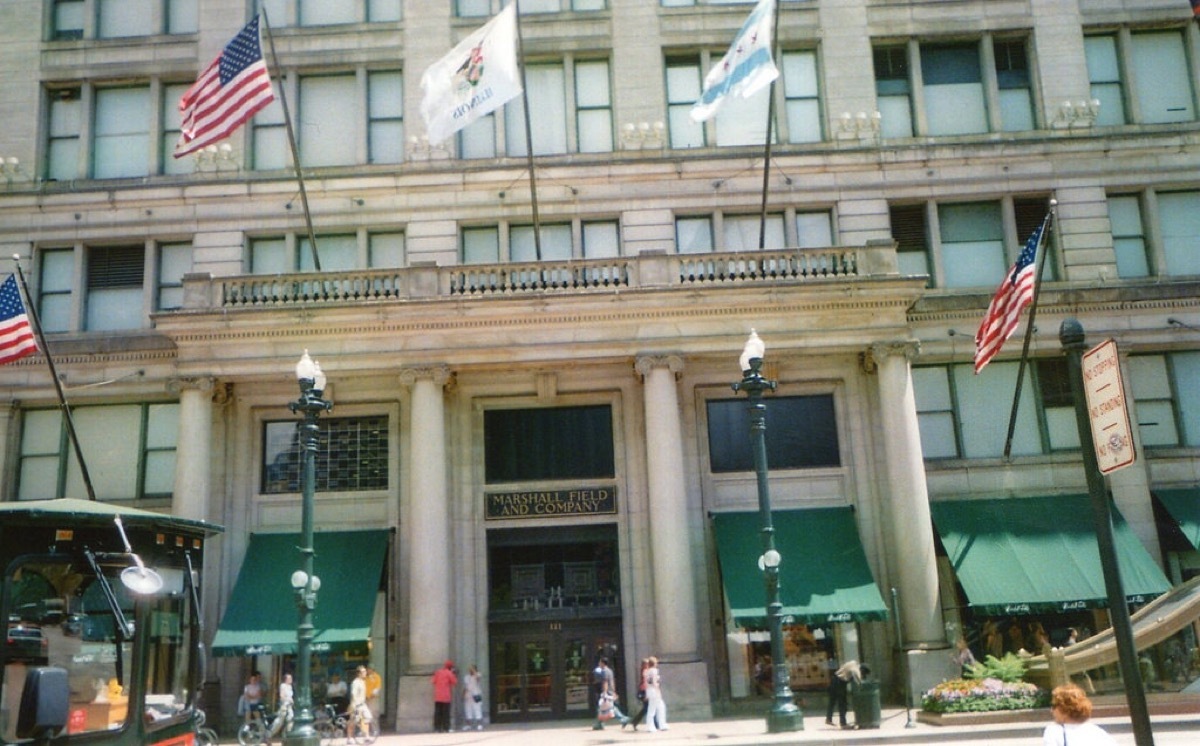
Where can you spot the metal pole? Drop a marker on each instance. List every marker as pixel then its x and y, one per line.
pixel 910 723
pixel 311 405
pixel 1071 336
pixel 784 715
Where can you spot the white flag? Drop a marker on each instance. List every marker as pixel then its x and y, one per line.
pixel 745 68
pixel 478 76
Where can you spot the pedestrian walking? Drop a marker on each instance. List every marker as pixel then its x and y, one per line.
pixel 444 681
pixel 606 695
pixel 1071 709
pixel 656 713
pixel 641 695
pixel 472 699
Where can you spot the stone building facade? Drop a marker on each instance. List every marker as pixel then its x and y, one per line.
pixel 543 426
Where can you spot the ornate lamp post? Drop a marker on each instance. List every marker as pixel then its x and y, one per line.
pixel 784 715
pixel 310 403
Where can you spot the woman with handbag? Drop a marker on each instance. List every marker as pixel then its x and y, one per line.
pixel 641 695
pixel 472 700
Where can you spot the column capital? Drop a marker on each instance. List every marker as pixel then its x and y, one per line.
pixel 440 373
pixel 909 348
pixel 179 384
pixel 646 363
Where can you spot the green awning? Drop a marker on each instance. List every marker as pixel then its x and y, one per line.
pixel 262 614
pixel 1184 507
pixel 1039 554
pixel 824 576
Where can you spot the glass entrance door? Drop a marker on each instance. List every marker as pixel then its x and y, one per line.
pixel 545 673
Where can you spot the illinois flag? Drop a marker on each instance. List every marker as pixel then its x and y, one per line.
pixel 477 77
pixel 745 69
pixel 1015 292
pixel 229 91
pixel 16 336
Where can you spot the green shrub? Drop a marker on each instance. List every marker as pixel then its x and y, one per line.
pixel 1009 669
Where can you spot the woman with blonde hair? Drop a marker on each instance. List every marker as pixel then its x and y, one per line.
pixel 1071 709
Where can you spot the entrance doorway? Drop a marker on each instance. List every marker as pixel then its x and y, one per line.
pixel 546 672
pixel 554 608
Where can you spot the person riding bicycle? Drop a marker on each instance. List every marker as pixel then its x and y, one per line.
pixel 360 714
pixel 283 717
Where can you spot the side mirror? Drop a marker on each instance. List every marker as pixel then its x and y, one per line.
pixel 44 703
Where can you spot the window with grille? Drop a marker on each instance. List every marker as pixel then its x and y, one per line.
pixel 352 455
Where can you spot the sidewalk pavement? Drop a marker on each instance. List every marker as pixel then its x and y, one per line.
pixel 896 727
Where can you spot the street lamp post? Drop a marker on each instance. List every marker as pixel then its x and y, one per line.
pixel 784 715
pixel 304 582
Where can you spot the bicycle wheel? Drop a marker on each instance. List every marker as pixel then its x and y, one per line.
pixel 207 737
pixel 327 731
pixel 252 733
pixel 372 732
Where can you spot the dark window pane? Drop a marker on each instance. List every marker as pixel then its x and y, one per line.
pixel 949 64
pixel 551 443
pixel 1053 383
pixel 352 455
pixel 801 433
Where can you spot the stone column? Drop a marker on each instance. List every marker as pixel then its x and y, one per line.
pixel 676 619
pixel 909 527
pixel 193 447
pixel 908 530
pixel 426 540
pixel 670 560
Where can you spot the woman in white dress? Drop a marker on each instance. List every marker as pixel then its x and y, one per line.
pixel 656 709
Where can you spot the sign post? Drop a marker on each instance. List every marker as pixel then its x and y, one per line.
pixel 1107 406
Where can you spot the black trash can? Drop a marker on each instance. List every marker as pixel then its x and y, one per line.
pixel 865 698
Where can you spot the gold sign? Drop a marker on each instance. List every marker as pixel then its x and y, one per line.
pixel 551 503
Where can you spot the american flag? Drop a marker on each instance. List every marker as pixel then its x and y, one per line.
pixel 1004 312
pixel 16 336
pixel 229 91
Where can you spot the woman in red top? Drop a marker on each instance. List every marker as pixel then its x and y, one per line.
pixel 444 681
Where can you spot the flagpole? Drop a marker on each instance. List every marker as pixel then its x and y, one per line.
pixel 1047 223
pixel 291 135
pixel 35 322
pixel 537 227
pixel 762 218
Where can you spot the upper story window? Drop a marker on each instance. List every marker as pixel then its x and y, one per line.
pixel 1140 77
pixel 802 433
pixel 115 19
pixel 956 81
pixel 966 244
pixel 137 464
pixel 281 13
pixel 96 131
pixel 482 8
pixel 951 397
pixel 1166 397
pixel 524 445
pixel 117 286
pixel 573 104
pixel 744 121
pixel 733 232
pixel 339 122
pixel 1173 249
pixel 292 252
pixel 352 455
pixel 582 239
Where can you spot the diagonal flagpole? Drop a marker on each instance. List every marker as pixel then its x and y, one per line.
pixel 537 227
pixel 1047 225
pixel 35 322
pixel 291 135
pixel 762 217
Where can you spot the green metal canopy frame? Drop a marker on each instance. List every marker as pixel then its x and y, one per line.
pixel 261 617
pixel 824 577
pixel 1184 507
pixel 1034 555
